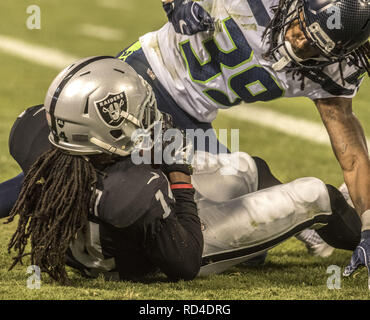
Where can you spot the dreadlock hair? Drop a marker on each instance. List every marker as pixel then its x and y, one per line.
pixel 360 57
pixel 53 207
pixel 274 27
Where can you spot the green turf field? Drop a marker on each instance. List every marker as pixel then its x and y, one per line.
pixel 289 273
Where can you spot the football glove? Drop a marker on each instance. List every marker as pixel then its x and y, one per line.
pixel 188 17
pixel 185 168
pixel 177 154
pixel 360 257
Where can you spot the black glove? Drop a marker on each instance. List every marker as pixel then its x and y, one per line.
pixel 188 17
pixel 185 168
pixel 177 152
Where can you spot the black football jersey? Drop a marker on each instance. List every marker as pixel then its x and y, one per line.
pixel 137 226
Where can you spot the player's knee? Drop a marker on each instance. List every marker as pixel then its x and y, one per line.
pixel 245 162
pixel 244 167
pixel 311 190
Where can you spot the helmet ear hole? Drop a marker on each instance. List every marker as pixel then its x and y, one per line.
pixel 116 133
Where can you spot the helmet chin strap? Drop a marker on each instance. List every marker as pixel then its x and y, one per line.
pixel 288 55
pixel 108 147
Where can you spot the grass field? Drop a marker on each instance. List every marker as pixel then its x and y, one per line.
pixel 289 273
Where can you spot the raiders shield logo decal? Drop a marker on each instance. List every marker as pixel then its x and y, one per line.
pixel 111 107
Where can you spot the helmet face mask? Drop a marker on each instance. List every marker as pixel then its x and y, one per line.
pixel 284 54
pixel 96 105
pixel 344 23
pixel 313 17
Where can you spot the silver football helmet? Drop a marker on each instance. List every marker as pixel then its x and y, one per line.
pixel 96 104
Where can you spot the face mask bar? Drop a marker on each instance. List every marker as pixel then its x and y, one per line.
pixel 150 117
pixel 317 37
pixel 149 112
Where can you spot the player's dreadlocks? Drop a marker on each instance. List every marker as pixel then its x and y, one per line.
pixel 53 206
pixel 359 57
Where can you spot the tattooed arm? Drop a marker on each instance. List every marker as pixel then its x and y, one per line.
pixel 349 145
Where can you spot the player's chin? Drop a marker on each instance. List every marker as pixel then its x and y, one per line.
pixel 306 51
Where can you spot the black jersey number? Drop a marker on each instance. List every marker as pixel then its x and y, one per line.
pixel 160 197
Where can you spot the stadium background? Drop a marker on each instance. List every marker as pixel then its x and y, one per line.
pixel 285 132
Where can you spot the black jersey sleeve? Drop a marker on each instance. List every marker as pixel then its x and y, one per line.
pixel 156 228
pixel 29 137
pixel 174 240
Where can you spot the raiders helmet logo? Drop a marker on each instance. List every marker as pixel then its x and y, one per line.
pixel 110 108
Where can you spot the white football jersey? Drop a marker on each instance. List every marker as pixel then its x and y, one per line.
pixel 213 70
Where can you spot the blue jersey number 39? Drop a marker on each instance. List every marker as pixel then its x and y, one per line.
pixel 252 84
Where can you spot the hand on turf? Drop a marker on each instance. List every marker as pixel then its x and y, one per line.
pixel 188 17
pixel 360 257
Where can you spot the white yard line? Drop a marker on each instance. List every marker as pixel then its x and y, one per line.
pixel 101 32
pixel 45 56
pixel 304 129
pixel 56 59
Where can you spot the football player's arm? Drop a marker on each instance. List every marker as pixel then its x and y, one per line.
pixel 187 17
pixel 176 241
pixel 349 145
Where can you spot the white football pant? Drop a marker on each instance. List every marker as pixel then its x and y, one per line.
pixel 240 222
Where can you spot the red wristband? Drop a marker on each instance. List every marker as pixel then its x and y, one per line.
pixel 182 186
